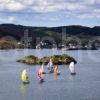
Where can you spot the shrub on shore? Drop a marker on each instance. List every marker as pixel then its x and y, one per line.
pixel 29 60
pixel 57 59
pixel 7 44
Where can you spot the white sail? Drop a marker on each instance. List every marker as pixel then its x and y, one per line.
pixel 50 64
pixel 42 67
pixel 72 67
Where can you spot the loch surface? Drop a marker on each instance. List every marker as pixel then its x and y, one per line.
pixel 85 85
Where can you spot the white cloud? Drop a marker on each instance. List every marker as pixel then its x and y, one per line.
pixel 27 2
pixel 75 6
pixel 89 2
pixel 97 11
pixel 92 15
pixel 42 2
pixel 97 1
pixel 58 7
pixel 86 16
pixel 11 5
pixel 8 20
pixel 42 6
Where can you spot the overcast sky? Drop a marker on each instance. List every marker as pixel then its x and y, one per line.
pixel 50 12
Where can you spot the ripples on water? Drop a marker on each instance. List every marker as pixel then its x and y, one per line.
pixel 84 86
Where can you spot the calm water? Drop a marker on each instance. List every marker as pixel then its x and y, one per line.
pixel 84 86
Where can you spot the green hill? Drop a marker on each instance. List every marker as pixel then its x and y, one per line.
pixel 17 32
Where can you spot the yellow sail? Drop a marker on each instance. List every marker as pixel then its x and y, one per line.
pixel 24 75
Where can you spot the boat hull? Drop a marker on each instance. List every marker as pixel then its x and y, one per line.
pixel 73 73
pixel 26 82
pixel 41 81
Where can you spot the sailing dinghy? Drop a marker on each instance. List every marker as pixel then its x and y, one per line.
pixel 72 68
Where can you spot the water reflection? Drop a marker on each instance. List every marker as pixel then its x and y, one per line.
pixel 23 87
pixel 72 77
pixel 40 87
pixel 65 85
pixel 55 76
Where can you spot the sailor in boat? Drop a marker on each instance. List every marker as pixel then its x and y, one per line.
pixel 50 66
pixel 56 70
pixel 24 77
pixel 42 68
pixel 40 75
pixel 72 68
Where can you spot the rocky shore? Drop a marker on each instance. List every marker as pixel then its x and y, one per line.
pixel 57 59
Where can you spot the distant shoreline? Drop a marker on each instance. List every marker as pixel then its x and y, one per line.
pixel 49 49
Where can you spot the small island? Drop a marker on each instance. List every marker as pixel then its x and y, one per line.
pixel 57 59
